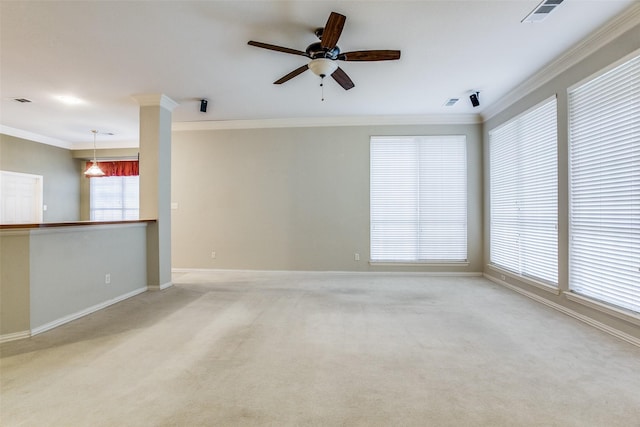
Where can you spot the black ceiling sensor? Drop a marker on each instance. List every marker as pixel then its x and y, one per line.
pixel 474 99
pixel 203 105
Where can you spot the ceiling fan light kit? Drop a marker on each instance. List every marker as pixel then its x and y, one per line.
pixel 322 67
pixel 325 53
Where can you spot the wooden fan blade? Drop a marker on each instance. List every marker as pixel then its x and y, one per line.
pixel 343 80
pixel 332 30
pixel 291 75
pixel 370 55
pixel 277 48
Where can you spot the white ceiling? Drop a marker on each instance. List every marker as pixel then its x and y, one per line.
pixel 103 52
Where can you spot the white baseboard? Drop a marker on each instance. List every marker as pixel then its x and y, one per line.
pixel 14 336
pixel 627 316
pixel 82 313
pixel 160 287
pixel 405 273
pixel 586 319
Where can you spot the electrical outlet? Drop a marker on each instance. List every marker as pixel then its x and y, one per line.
pixel 107 278
pixel 356 256
pixel 213 255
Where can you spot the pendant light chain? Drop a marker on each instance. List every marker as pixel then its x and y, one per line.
pixel 94 145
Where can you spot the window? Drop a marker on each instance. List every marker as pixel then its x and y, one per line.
pixel 524 194
pixel 604 138
pixel 418 199
pixel 114 198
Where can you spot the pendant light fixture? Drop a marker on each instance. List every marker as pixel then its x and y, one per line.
pixel 94 170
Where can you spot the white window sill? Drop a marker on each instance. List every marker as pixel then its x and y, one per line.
pixel 419 264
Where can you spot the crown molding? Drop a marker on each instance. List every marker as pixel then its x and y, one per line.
pixel 155 100
pixel 111 145
pixel 438 119
pixel 23 134
pixel 606 34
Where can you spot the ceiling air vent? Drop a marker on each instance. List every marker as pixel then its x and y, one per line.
pixel 542 11
pixel 22 100
pixel 451 102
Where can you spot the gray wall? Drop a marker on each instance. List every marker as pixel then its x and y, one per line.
pixel 56 165
pixel 67 268
pixel 291 198
pixel 14 283
pixel 624 45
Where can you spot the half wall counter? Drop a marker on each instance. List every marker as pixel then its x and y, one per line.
pixel 53 273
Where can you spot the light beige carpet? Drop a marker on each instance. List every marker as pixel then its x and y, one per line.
pixel 312 349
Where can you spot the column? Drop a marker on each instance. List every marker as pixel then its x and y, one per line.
pixel 155 184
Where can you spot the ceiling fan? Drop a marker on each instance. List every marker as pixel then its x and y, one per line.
pixel 325 53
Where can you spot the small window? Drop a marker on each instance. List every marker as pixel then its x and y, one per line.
pixel 114 198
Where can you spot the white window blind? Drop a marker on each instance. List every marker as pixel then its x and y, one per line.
pixel 418 199
pixel 604 259
pixel 524 194
pixel 114 198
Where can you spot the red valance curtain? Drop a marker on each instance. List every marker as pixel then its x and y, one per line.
pixel 119 168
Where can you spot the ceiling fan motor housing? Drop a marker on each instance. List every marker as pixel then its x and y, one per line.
pixel 315 50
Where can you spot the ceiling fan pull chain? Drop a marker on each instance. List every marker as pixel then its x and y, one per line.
pixel 322 87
